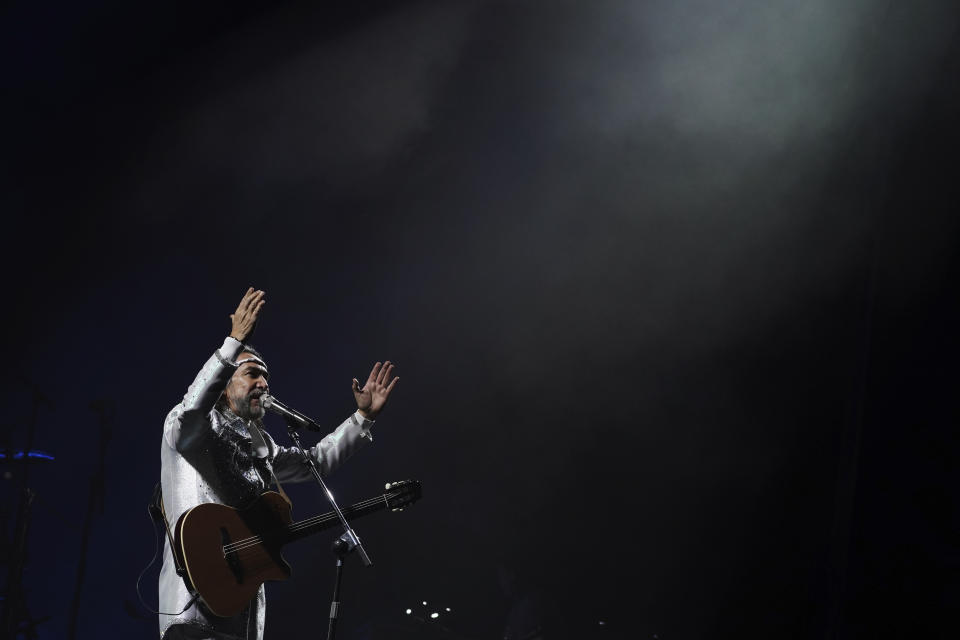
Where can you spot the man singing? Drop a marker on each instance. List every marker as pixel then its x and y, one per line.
pixel 214 449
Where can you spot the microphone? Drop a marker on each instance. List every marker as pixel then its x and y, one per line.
pixel 293 417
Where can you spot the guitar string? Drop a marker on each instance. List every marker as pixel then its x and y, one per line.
pixel 255 541
pixel 245 543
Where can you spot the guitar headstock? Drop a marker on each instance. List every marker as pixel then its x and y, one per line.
pixel 402 493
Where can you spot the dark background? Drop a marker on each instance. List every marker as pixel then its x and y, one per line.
pixel 669 286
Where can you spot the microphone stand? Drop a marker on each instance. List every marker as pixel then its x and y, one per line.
pixel 342 546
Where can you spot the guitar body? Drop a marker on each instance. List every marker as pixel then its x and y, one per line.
pixel 228 553
pixel 227 581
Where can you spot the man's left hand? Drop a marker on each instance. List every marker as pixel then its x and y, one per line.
pixel 373 395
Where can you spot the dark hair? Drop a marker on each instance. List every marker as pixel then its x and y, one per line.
pixel 249 348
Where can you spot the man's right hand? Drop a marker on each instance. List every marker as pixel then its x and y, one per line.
pixel 244 319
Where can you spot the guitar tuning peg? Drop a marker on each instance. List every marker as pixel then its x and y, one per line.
pixel 387 486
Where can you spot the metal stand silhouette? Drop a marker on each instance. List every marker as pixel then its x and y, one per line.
pixel 105 409
pixel 16 618
pixel 342 546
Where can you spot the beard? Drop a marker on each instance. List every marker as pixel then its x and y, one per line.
pixel 248 410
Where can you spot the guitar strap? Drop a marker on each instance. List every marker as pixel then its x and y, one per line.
pixel 260 446
pixel 160 514
pixel 280 487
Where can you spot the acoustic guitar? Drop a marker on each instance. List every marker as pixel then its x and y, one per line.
pixel 228 553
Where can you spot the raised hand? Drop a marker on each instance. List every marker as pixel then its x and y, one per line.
pixel 373 395
pixel 244 319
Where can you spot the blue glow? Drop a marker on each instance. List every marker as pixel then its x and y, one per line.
pixel 18 455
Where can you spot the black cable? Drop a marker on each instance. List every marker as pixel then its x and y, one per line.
pixel 156 550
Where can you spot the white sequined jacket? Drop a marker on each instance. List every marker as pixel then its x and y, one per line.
pixel 208 455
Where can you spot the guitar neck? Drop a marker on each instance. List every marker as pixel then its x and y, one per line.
pixel 310 526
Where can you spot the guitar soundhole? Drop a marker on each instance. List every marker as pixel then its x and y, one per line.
pixel 233 561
